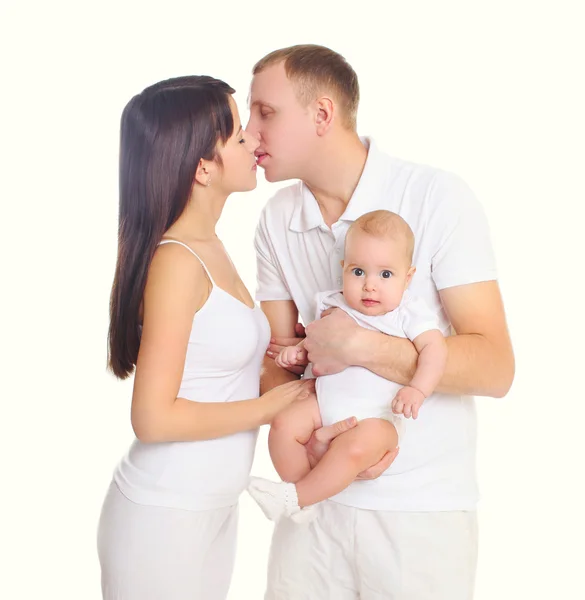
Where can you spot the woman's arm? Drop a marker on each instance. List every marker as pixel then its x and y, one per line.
pixel 176 288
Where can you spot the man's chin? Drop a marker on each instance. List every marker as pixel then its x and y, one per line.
pixel 270 176
pixel 274 177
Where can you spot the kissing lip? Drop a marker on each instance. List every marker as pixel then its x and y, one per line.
pixel 260 156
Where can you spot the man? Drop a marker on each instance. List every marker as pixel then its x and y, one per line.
pixel 409 534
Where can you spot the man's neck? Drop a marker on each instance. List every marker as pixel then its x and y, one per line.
pixel 336 174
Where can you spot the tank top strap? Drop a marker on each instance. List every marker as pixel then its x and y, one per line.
pixel 163 242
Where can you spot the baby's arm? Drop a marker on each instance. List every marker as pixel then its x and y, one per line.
pixel 292 355
pixel 432 357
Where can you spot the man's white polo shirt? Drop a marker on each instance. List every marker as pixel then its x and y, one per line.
pixel 299 256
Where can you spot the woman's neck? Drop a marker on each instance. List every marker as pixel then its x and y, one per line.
pixel 199 219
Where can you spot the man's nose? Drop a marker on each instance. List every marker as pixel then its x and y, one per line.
pixel 252 129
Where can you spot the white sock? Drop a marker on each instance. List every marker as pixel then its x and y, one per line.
pixel 305 515
pixel 276 499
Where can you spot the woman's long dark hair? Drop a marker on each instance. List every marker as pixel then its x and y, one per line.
pixel 165 131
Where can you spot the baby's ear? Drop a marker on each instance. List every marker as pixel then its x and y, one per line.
pixel 410 275
pixel 341 263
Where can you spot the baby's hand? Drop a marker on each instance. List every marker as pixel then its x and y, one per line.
pixel 290 356
pixel 408 401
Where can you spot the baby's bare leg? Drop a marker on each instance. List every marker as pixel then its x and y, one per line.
pixel 349 454
pixel 289 432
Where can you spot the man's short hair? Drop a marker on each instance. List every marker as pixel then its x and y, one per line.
pixel 316 69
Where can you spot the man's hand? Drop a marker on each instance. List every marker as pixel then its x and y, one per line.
pixel 319 442
pixel 376 470
pixel 328 341
pixel 407 402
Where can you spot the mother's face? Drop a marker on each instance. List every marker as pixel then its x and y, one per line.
pixel 238 172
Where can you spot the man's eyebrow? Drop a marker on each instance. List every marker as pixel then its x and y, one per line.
pixel 262 103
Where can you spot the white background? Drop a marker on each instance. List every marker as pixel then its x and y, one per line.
pixel 489 90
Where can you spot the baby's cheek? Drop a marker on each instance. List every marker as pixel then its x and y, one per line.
pixel 352 298
pixel 392 299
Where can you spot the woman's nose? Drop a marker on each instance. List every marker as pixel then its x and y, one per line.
pixel 253 143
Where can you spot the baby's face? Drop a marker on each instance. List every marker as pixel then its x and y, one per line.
pixel 376 272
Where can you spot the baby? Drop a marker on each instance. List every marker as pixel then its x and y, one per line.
pixel 376 273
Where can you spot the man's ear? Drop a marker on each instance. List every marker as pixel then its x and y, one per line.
pixel 325 112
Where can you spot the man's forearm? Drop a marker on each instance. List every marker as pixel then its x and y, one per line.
pixel 272 375
pixel 475 366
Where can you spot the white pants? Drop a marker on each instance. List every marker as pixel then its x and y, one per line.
pixel 349 554
pixel 155 553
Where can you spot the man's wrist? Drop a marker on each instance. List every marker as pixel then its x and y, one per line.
pixel 391 357
pixel 360 351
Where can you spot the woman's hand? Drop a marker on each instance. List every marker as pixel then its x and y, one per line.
pixel 281 396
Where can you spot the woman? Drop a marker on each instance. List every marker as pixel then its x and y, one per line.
pixel 182 317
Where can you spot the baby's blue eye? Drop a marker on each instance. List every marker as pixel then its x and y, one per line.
pixel 386 274
pixel 358 272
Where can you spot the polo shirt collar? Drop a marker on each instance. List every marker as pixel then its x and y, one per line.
pixel 366 197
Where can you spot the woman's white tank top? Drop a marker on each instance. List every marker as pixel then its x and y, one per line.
pixel 226 346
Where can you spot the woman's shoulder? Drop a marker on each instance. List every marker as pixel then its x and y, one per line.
pixel 176 277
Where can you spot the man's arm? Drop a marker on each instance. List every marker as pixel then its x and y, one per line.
pixel 480 360
pixel 282 316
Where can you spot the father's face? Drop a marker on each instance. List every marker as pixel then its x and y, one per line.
pixel 284 128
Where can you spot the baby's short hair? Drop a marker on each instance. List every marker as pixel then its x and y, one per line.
pixel 384 223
